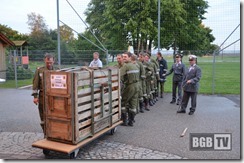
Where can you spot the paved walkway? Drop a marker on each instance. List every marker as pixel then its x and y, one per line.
pixel 17 145
pixel 155 134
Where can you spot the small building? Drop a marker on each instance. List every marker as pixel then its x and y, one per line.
pixel 4 42
pixel 22 59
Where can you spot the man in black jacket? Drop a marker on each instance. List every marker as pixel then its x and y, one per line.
pixel 191 85
pixel 162 70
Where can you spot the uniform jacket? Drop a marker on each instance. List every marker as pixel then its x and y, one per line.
pixel 155 68
pixel 194 75
pixel 148 70
pixel 179 72
pixel 142 70
pixel 38 80
pixel 129 74
pixel 162 68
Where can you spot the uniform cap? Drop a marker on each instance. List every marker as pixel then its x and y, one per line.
pixel 192 57
pixel 178 56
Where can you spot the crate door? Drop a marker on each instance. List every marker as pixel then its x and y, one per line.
pixel 59 129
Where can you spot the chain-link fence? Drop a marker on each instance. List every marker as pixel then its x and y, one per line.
pixel 215 73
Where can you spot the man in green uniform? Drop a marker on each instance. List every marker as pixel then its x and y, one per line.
pixel 38 86
pixel 148 74
pixel 129 74
pixel 141 81
pixel 151 78
pixel 156 78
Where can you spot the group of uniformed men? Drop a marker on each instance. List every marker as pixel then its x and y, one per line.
pixel 141 76
pixel 142 81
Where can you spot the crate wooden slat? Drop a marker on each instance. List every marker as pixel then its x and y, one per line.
pixel 80 102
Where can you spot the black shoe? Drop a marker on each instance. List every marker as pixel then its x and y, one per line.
pixel 147 109
pixel 191 112
pixel 153 101
pixel 172 102
pixel 130 123
pixel 177 103
pixel 181 111
pixel 142 111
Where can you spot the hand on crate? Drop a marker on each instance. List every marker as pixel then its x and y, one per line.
pixel 36 100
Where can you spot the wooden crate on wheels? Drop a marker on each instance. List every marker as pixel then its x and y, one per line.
pixel 80 103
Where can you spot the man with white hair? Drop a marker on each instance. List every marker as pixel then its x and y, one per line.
pixel 190 85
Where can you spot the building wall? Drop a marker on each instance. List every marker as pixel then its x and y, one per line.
pixel 2 62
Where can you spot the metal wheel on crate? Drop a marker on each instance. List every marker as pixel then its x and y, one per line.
pixel 113 130
pixel 46 152
pixel 72 155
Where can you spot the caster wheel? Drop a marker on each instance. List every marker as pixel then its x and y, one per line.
pixel 112 131
pixel 46 152
pixel 72 155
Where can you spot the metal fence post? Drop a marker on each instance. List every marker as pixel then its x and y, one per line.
pixel 213 73
pixel 107 57
pixel 15 70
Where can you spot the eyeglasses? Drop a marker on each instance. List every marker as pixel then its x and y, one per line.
pixel 177 57
pixel 191 60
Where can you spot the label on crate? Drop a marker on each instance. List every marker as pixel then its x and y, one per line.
pixel 58 81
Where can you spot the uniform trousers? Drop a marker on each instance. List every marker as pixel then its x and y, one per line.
pixel 176 85
pixel 41 110
pixel 185 100
pixel 130 98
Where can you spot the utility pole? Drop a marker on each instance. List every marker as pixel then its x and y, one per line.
pixel 159 25
pixel 58 30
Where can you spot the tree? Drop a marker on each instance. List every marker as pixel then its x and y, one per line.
pixel 173 24
pixel 66 33
pixel 36 23
pixel 103 25
pixel 12 34
pixel 135 22
pixel 39 37
pixel 196 36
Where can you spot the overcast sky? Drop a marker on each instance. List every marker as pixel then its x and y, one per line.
pixel 223 16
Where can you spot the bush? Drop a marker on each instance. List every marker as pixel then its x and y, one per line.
pixel 22 73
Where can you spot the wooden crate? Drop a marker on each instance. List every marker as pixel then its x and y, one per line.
pixel 79 102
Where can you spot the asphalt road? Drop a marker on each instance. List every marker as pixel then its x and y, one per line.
pixel 158 129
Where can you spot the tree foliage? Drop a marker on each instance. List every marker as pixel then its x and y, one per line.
pixel 40 37
pixel 135 22
pixel 12 34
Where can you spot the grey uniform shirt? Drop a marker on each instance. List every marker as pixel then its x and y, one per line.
pixel 179 70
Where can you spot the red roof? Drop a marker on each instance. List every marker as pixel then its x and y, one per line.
pixel 5 40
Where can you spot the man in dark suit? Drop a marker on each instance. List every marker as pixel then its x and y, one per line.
pixel 191 85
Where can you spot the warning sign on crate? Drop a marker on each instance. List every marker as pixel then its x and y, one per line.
pixel 59 81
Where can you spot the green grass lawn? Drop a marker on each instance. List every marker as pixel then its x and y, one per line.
pixel 227 78
pixel 11 83
pixel 227 75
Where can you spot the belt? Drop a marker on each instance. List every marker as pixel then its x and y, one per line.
pixel 132 82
